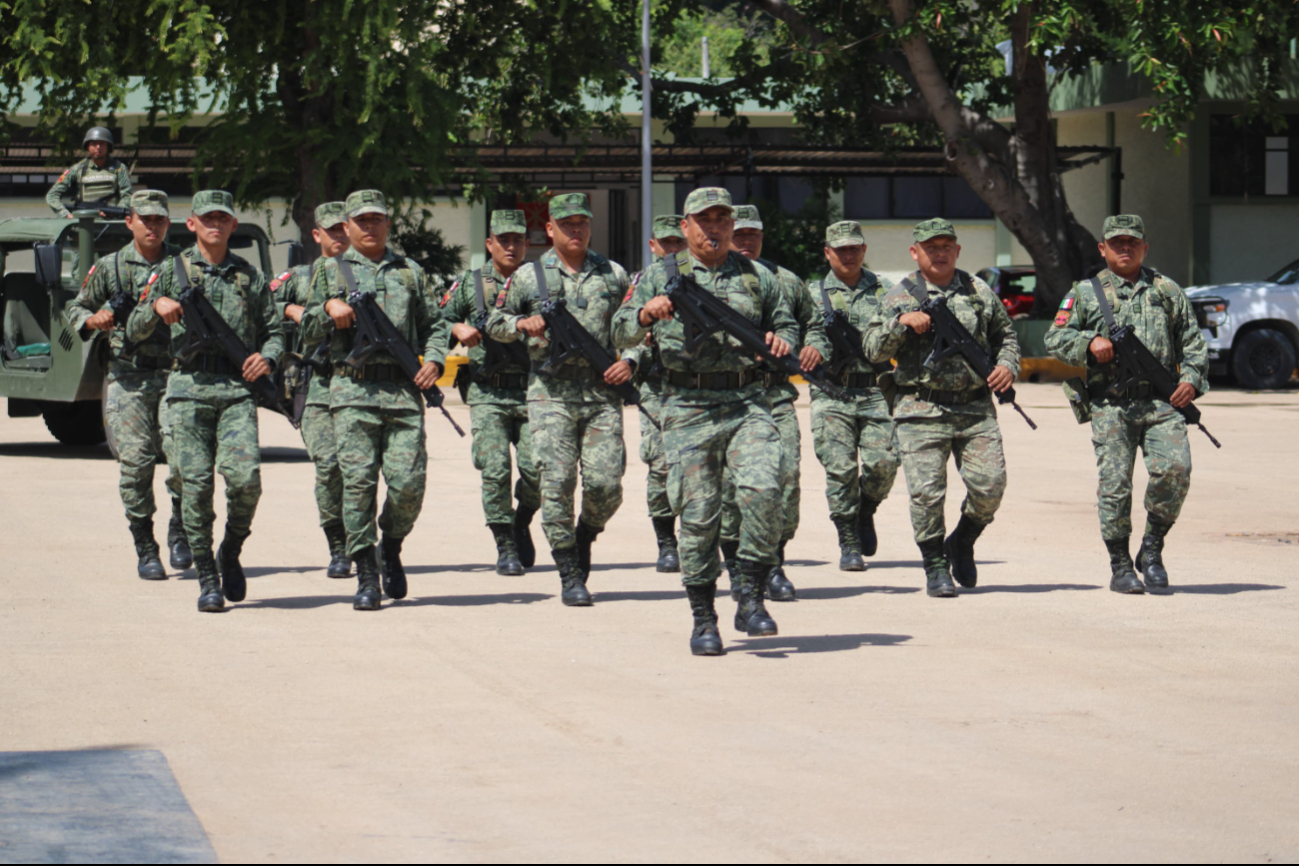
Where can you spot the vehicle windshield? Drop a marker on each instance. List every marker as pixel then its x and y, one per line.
pixel 1288 274
pixel 1019 284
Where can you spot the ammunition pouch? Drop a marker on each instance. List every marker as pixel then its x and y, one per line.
pixel 1075 391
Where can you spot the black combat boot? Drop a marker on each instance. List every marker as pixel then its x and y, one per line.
pixel 959 550
pixel 704 640
pixel 233 582
pixel 866 536
pixel 780 587
pixel 339 565
pixel 585 538
pixel 210 599
pixel 669 558
pixel 730 558
pixel 507 558
pixel 394 575
pixel 177 544
pixel 523 536
pixel 149 566
pixel 751 616
pixel 849 545
pixel 1123 578
pixel 572 579
pixel 938 579
pixel 1150 556
pixel 367 580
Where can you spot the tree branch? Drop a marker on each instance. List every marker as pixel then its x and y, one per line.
pixel 782 11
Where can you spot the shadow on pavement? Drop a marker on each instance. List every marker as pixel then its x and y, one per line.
pixel 299 602
pixel 55 451
pixel 474 600
pixel 783 647
pixel 1222 588
pixel 470 568
pixel 285 455
pixel 826 593
pixel 641 595
pixel 1029 587
pixel 262 571
pixel 806 563
pixel 612 566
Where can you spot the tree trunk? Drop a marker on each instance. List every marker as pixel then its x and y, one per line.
pixel 314 180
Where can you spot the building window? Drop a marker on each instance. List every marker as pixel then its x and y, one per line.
pixel 879 198
pixel 1253 159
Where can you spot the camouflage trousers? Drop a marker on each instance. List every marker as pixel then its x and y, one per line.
pixel 136 412
pixel 791 497
pixel 210 436
pixel 371 440
pixel 702 444
pixel 846 431
pixel 569 436
pixel 497 426
pixel 322 448
pixel 926 443
pixel 1118 430
pixel 651 454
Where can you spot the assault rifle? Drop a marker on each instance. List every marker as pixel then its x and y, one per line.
pixel 703 314
pixel 568 339
pixel 1134 364
pixel 205 330
pixel 499 355
pixel 109 211
pixel 316 362
pixel 122 303
pixel 951 337
pixel 376 333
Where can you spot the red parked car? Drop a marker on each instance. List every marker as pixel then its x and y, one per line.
pixel 1014 284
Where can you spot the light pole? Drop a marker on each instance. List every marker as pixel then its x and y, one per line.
pixel 646 162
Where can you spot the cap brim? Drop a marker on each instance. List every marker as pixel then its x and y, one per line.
pixel 511 229
pixel 572 213
pixel 151 210
pixel 846 242
pixel 212 208
pixel 330 222
pixel 370 208
pixel 710 206
pixel 1125 233
pixel 748 224
pixel 922 238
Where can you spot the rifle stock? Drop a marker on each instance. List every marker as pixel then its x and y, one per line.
pixel 112 212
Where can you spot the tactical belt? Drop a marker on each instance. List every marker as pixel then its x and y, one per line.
pixel 572 373
pixel 209 364
pixel 774 379
pixel 1139 391
pixel 712 381
pixel 514 381
pixel 141 362
pixel 946 398
pixel 372 373
pixel 858 380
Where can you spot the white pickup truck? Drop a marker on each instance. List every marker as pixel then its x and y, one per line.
pixel 1252 328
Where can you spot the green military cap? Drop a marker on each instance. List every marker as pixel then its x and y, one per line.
pixel 1124 224
pixel 209 200
pixel 366 201
pixel 570 204
pixel 705 197
pixel 668 225
pixel 747 217
pixel 934 228
pixel 330 214
pixel 149 202
pixel 505 222
pixel 846 233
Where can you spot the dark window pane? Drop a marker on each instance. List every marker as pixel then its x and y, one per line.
pixel 866 198
pixel 960 202
pixel 919 197
pixel 794 193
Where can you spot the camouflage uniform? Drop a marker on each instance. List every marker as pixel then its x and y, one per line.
pixel 136 381
pixel 1159 312
pixel 576 419
pixel 212 412
pixel 948 410
pixel 110 185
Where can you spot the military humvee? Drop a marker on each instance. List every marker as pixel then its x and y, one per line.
pixel 45 367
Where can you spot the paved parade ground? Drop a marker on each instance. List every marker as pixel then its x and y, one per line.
pixel 1038 717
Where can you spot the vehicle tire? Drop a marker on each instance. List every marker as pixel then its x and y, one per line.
pixel 79 424
pixel 1263 359
pixel 103 418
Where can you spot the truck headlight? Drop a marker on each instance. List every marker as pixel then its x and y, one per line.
pixel 1211 312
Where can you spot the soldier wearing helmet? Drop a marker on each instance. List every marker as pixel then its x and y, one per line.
pixel 99 178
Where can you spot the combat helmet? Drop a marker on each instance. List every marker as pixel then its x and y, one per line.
pixel 98 133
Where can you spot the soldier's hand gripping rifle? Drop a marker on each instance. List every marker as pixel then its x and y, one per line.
pixel 1134 363
pixel 951 337
pixel 109 211
pixel 568 339
pixel 315 363
pixel 205 330
pixel 122 302
pixel 376 333
pixel 703 314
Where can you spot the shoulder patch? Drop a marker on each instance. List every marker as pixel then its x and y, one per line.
pixel 89 274
pixel 281 280
pixel 500 297
pixel 1062 318
pixel 65 174
pixel 1066 304
pixel 446 298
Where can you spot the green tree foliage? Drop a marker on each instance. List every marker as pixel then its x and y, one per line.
pixel 414 238
pixel 797 240
pixel 680 49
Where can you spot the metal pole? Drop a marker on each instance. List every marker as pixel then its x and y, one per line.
pixel 646 161
pixel 705 59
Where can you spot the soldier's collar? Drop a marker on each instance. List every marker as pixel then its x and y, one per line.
pixel 353 255
pixel 728 264
pixel 195 255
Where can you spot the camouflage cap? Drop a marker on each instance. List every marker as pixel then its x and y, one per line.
pixel 747 217
pixel 570 204
pixel 365 201
pixel 668 225
pixel 209 200
pixel 330 214
pixel 505 222
pixel 846 233
pixel 705 197
pixel 149 202
pixel 934 228
pixel 1124 224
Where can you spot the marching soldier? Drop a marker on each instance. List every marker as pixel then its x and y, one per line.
pixel 945 410
pixel 497 397
pixel 747 241
pixel 1128 294
pixel 377 410
pixel 576 420
pixel 137 378
pixel 858 431
pixel 716 414
pixel 292 292
pixel 99 178
pixel 212 413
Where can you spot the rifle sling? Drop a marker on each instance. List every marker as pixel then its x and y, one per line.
pixel 1104 303
pixel 349 278
pixel 480 303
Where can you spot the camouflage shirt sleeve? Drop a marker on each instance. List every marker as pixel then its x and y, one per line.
pixel 123 184
pixel 268 337
pixel 431 329
pixel 1188 340
pixel 516 301
pixel 1076 325
pixel 458 302
pixel 94 294
pixel 884 335
pixel 811 323
pixel 1003 343
pixel 627 332
pixel 316 323
pixel 54 198
pixel 143 320
pixel 777 312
